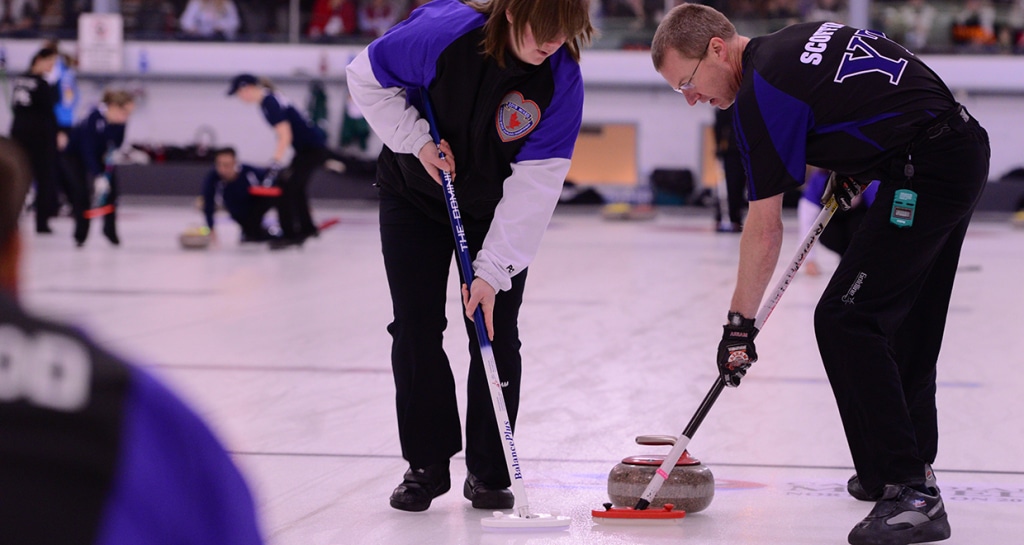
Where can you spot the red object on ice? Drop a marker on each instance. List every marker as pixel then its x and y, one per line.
pixel 98 212
pixel 260 191
pixel 330 222
pixel 667 513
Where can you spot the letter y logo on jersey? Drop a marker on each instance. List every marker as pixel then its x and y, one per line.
pixel 516 116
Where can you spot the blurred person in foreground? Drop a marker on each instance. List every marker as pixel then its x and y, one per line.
pixel 94 450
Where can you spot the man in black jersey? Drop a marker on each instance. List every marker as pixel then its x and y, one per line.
pixel 856 103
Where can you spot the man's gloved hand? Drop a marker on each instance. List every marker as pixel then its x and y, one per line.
pixel 844 188
pixel 100 190
pixel 736 351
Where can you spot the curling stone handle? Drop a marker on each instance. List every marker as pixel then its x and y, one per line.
pixel 656 440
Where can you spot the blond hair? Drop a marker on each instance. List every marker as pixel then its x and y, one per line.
pixel 687 29
pixel 547 19
pixel 117 97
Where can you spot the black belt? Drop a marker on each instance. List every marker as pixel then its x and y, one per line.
pixel 954 120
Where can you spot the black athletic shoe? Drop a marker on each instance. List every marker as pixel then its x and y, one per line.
pixel 420 486
pixel 487 497
pixel 280 243
pixel 111 235
pixel 901 517
pixel 857 491
pixel 257 237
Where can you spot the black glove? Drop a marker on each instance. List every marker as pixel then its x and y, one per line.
pixel 736 351
pixel 844 188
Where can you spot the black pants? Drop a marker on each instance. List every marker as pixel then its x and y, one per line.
pixel 72 170
pixel 293 205
pixel 880 321
pixel 842 227
pixel 417 257
pixel 248 212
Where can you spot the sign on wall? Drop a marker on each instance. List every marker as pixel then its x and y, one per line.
pixel 100 42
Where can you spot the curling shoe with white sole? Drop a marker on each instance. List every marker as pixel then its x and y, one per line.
pixel 903 516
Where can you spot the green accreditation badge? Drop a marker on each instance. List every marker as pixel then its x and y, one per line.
pixel 903 205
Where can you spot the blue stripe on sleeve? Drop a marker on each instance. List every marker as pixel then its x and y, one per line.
pixel 852 128
pixel 555 136
pixel 406 56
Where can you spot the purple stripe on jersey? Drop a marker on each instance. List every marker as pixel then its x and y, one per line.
pixel 174 483
pixel 788 121
pixel 409 59
pixel 559 127
pixel 852 128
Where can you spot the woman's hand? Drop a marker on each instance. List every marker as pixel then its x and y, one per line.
pixel 432 162
pixel 482 295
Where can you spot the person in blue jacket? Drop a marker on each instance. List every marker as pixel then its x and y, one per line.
pixel 292 130
pixel 94 450
pixel 238 186
pixel 85 162
pixel 504 81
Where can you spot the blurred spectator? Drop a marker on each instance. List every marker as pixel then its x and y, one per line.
pixel 263 18
pixel 376 17
pixel 19 18
pixel 210 19
pixel 974 25
pixel 1015 27
pixel 742 9
pixel 156 19
pixel 333 18
pixel 782 13
pixel 645 13
pixel 826 10
pixel 910 23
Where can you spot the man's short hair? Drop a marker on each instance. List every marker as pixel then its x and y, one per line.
pixel 226 150
pixel 14 182
pixel 687 28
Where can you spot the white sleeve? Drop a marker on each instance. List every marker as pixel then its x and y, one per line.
pixel 520 219
pixel 398 125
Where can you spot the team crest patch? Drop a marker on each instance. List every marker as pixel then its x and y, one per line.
pixel 516 117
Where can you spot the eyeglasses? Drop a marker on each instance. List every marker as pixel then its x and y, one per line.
pixel 689 83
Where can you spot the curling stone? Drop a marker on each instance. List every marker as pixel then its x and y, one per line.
pixel 626 211
pixel 690 485
pixel 616 211
pixel 195 238
pixel 1018 220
